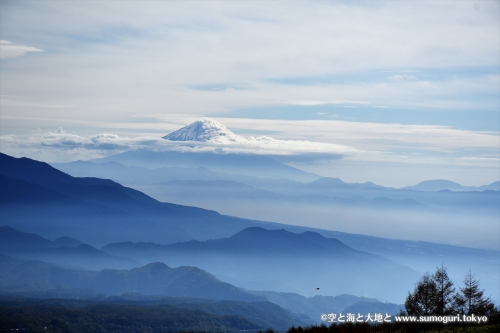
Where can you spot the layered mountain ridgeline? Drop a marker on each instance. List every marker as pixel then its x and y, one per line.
pixel 442 185
pixel 64 251
pixel 11 238
pixel 152 279
pixel 38 198
pixel 209 131
pixel 98 212
pixel 317 305
pixel 323 193
pixel 261 259
pixel 327 203
pixel 191 292
pixel 252 257
pixel 194 182
pixel 249 165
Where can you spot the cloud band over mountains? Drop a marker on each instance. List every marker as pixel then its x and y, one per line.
pixel 76 146
pixel 340 140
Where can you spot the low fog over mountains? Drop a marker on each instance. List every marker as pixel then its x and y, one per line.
pixel 261 259
pixel 256 186
pixel 187 224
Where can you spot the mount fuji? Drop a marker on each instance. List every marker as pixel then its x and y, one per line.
pixel 210 131
pixel 206 130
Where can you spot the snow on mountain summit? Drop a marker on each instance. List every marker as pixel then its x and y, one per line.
pixel 205 130
pixel 213 132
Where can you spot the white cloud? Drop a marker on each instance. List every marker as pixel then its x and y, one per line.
pixel 11 102
pixel 399 77
pixel 118 60
pixel 372 136
pixel 325 102
pixel 304 141
pixel 106 144
pixel 11 50
pixel 133 57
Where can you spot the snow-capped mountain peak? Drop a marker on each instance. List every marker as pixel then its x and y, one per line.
pixel 210 134
pixel 205 130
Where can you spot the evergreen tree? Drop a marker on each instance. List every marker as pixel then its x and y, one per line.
pixel 470 299
pixel 445 290
pixel 423 300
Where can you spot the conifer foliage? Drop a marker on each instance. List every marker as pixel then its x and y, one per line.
pixel 470 300
pixel 435 295
pixel 423 300
pixel 444 292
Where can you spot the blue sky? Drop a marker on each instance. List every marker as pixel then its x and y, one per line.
pixel 412 87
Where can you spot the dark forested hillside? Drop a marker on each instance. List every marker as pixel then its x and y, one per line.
pixel 76 317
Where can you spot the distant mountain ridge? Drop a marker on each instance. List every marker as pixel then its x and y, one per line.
pixel 11 238
pixel 224 192
pixel 250 165
pixel 316 305
pixel 253 241
pixel 35 197
pixel 152 279
pixel 256 258
pixel 441 184
pixel 65 251
pixel 62 203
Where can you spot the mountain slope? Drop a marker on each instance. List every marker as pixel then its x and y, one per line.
pixel 280 260
pixel 316 305
pixel 35 197
pixel 441 184
pixel 85 316
pixel 435 185
pixel 152 312
pixel 105 220
pixel 251 242
pixel 63 251
pixel 250 165
pixel 152 279
pixel 203 131
pixel 11 238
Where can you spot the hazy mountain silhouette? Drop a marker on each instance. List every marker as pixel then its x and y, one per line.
pixel 11 238
pixel 316 305
pixel 63 251
pixel 204 188
pixel 256 258
pixel 254 241
pixel 228 191
pixel 152 279
pixel 251 165
pixel 441 184
pixel 374 307
pixel 37 198
pixel 134 175
pixel 67 241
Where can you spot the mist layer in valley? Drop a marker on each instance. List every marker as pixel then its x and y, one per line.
pixel 436 216
pixel 318 237
pixel 459 218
